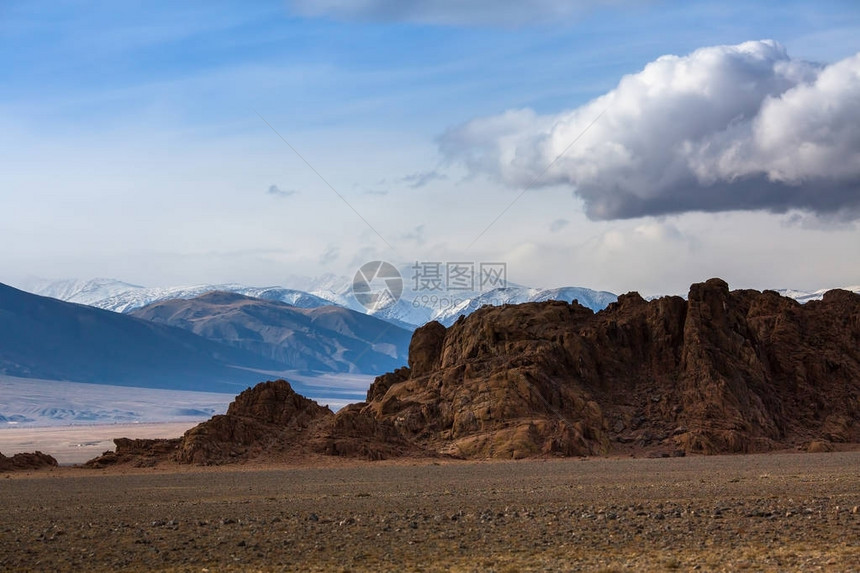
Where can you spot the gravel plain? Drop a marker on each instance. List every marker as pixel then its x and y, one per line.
pixel 766 512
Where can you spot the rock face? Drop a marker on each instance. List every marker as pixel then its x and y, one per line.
pixel 269 418
pixel 137 452
pixel 352 433
pixel 720 372
pixel 26 461
pixel 268 421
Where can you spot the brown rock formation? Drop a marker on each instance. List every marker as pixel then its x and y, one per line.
pixel 720 372
pixel 26 461
pixel 272 419
pixel 269 417
pixel 137 452
pixel 266 420
pixel 352 433
pixel 723 371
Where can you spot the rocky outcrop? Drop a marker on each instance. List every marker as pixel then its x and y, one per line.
pixel 722 371
pixel 270 421
pixel 269 418
pixel 137 452
pixel 26 461
pixel 354 434
pixel 425 350
pixel 487 388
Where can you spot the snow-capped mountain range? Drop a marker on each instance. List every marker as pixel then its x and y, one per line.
pixel 417 307
pixel 806 296
pixel 447 312
pixel 414 308
pixel 118 296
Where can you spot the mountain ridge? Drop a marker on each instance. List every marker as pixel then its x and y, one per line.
pixel 414 309
pixel 324 338
pixel 41 337
pixel 122 297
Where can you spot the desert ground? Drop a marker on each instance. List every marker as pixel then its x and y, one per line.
pixel 766 512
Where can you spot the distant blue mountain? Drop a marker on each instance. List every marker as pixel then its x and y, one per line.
pixel 46 338
pixel 323 339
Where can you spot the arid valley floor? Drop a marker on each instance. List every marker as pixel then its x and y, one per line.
pixel 771 512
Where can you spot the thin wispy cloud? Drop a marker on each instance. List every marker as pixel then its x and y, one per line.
pixel 278 192
pixel 454 12
pixel 423 178
pixel 329 256
pixel 416 235
pixel 558 225
pixel 378 190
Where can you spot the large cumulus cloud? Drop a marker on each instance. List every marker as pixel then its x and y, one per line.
pixel 452 12
pixel 723 128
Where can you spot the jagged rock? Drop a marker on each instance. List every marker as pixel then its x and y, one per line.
pixel 382 383
pixel 267 418
pixel 425 348
pixel 722 371
pixel 355 433
pixel 26 461
pixel 138 452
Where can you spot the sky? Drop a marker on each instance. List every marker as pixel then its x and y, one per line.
pixel 617 145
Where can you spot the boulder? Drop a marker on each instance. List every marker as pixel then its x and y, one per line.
pixel 26 461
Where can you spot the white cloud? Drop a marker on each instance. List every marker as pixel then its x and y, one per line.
pixel 811 130
pixel 453 12
pixel 741 127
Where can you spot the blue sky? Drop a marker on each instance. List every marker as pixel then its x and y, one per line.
pixel 133 145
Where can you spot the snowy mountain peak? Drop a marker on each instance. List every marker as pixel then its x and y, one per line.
pixel 806 296
pixel 118 296
pixel 79 291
